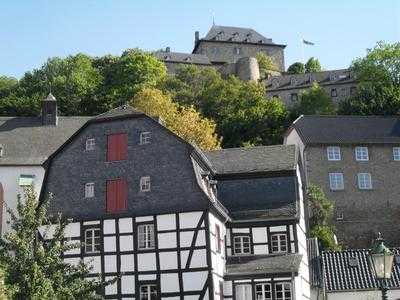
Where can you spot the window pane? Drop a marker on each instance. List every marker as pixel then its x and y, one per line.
pixel 336 181
pixel 361 153
pixel 396 153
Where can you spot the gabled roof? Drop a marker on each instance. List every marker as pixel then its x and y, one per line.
pixel 292 81
pixel 26 141
pixel 187 58
pixel 349 270
pixel 347 129
pixel 253 160
pixel 120 111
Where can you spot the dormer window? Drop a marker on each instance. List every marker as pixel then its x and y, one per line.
pixel 293 81
pixel 332 77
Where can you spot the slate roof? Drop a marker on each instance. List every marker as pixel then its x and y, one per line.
pixel 27 142
pixel 291 81
pixel 263 264
pixel 177 57
pixel 348 129
pixel 349 270
pixel 236 34
pixel 253 160
pixel 121 111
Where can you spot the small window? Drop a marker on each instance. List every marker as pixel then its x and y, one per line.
pixel 236 50
pixel 333 153
pixel 396 153
pixel 146 236
pixel 332 77
pixel 148 292
pixel 263 291
pixel 283 291
pixel 294 97
pixel 293 81
pixel 241 244
pixel 90 144
pixel 361 154
pixel 364 181
pixel 145 184
pixel 333 93
pixel 336 181
pixel 26 180
pixel 145 138
pixel 89 190
pixel 278 243
pixel 218 240
pixel 92 240
pixel 339 216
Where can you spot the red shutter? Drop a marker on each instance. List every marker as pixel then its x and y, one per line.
pixel 117 147
pixel 117 195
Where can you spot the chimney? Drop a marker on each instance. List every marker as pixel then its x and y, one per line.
pixel 49 111
pixel 168 49
pixel 196 37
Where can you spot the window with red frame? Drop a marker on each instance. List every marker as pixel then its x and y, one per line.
pixel 218 238
pixel 117 147
pixel 117 194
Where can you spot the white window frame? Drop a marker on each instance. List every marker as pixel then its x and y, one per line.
pixel 145 184
pixel 364 181
pixel 89 190
pixel 146 236
pixel 148 294
pixel 333 153
pixel 361 153
pixel 145 137
pixel 286 286
pixel 26 180
pixel 279 241
pixel 334 183
pixel 90 144
pixel 396 153
pixel 242 249
pixel 93 241
pixel 243 291
pixel 261 293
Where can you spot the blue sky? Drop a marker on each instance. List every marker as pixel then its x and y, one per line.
pixel 33 30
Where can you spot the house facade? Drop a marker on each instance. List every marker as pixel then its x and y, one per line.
pixel 175 222
pixel 355 160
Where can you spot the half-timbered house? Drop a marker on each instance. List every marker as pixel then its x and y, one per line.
pixel 174 222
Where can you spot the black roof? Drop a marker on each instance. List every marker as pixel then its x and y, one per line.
pixel 177 57
pixel 26 141
pixel 347 129
pixel 263 264
pixel 350 270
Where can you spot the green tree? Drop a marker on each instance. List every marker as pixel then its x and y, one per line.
pixel 7 85
pixel 312 65
pixel 266 64
pixel 296 68
pixel 34 268
pixel 314 101
pixel 378 82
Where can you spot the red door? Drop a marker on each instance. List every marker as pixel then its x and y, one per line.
pixel 117 194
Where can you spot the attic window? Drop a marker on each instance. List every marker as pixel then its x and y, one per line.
pixel 167 57
pixel 26 180
pixel 293 81
pixel 332 77
pixel 353 262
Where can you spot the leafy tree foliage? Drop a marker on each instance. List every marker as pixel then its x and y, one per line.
pixel 6 85
pixel 33 266
pixel 321 211
pixel 296 68
pixel 240 110
pixel 185 121
pixel 314 101
pixel 265 64
pixel 312 65
pixel 378 82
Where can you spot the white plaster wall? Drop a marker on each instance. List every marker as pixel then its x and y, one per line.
pixel 189 220
pixel 194 281
pixel 9 177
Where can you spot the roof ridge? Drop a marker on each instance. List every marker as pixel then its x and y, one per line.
pixel 253 147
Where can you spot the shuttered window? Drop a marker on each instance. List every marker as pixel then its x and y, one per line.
pixel 117 194
pixel 117 147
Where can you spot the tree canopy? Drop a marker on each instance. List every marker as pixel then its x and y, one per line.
pixel 312 65
pixel 296 68
pixel 265 64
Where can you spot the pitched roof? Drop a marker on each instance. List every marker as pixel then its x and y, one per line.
pixel 347 129
pixel 188 58
pixel 120 111
pixel 291 81
pixel 263 264
pixel 349 270
pixel 253 160
pixel 27 142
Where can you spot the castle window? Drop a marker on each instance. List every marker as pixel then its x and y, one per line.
pixel 146 236
pixel 145 184
pixel 364 181
pixel 90 144
pixel 148 292
pixel 362 153
pixel 396 153
pixel 89 190
pixel 339 216
pixel 333 93
pixel 263 291
pixel 283 291
pixel 336 181
pixel 145 137
pixel 241 244
pixel 333 153
pixel 293 81
pixel 332 77
pixel 117 147
pixel 279 243
pixel 92 240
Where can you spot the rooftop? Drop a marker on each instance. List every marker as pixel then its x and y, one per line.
pixel 177 57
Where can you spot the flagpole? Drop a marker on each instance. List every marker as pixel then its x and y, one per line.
pixel 302 50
